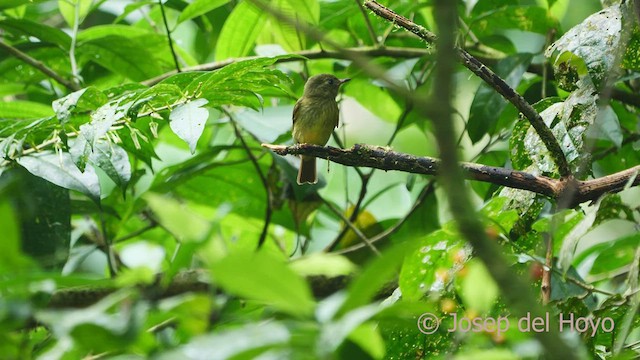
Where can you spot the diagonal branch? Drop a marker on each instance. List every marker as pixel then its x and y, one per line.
pixel 40 66
pixel 486 74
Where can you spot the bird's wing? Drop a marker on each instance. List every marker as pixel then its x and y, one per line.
pixel 296 108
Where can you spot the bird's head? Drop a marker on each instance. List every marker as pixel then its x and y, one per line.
pixel 323 85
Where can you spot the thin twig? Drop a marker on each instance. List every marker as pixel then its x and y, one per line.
pixel 426 191
pixel 263 179
pixel 40 66
pixel 74 40
pixel 372 33
pixel 142 230
pixel 351 226
pixel 166 27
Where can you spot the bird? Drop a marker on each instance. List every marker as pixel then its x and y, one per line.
pixel 315 115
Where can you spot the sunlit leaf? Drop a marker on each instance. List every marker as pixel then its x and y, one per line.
pixel 41 31
pixel 267 280
pixel 62 171
pixel 595 42
pixel 20 109
pixel 188 120
pixel 199 7
pixel 240 30
pixel 114 161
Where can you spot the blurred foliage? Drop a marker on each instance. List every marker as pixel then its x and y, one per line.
pixel 118 191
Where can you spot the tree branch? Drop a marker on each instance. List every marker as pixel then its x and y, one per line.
pixel 40 66
pixel 486 74
pixel 384 158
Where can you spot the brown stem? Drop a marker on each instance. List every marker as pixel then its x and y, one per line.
pixel 40 66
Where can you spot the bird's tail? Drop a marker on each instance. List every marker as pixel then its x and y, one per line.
pixel 307 172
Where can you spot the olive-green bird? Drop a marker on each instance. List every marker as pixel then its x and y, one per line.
pixel 315 115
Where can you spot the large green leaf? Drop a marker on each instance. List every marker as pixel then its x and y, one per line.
pixel 525 18
pixel 429 268
pixel 268 280
pixel 20 109
pixel 129 57
pixel 240 31
pixel 42 32
pixel 114 161
pixel 487 104
pixel 199 7
pixel 62 171
pixel 72 9
pixel 595 42
pixel 240 83
pixel 245 342
pixel 8 4
pixel 302 11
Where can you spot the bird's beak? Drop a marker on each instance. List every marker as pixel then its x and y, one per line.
pixel 342 81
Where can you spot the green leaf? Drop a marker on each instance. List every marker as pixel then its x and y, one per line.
pixel 68 9
pixel 11 257
pixel 376 99
pixel 376 274
pixel 232 343
pixel 178 219
pixel 61 170
pixel 240 82
pixel 606 127
pixel 477 288
pixel 20 109
pixel 570 242
pixel 612 255
pixel 487 104
pixel 45 216
pixel 631 59
pixel 86 99
pixel 129 57
pixel 132 8
pixel 268 280
pixel 428 268
pixel 199 7
pixel 188 120
pixel 43 32
pixel 368 337
pixel 240 30
pixel 595 42
pixel 102 31
pixel 525 18
pixel 114 161
pixel 287 35
pixel 330 265
pixel 8 4
pixel 334 333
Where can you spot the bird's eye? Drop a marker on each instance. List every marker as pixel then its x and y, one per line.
pixel 330 82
